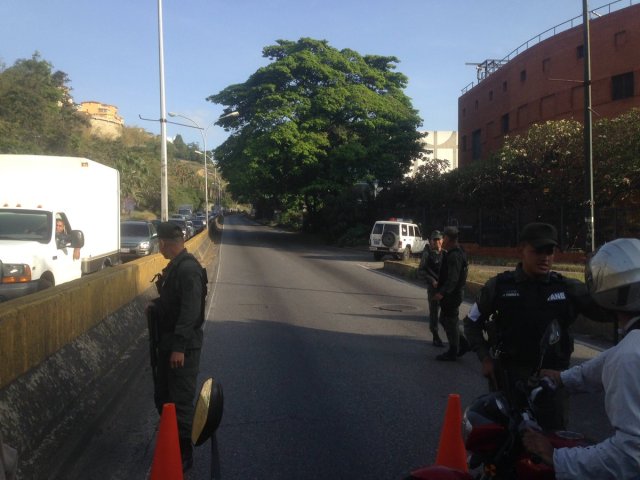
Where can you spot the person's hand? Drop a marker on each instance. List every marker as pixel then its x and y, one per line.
pixel 434 284
pixel 553 375
pixel 176 360
pixel 437 297
pixel 537 444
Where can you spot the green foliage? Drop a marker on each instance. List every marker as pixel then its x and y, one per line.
pixel 38 116
pixel 37 113
pixel 314 122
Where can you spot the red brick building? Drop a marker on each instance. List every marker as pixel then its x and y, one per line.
pixel 544 81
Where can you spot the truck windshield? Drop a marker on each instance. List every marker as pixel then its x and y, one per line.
pixel 25 225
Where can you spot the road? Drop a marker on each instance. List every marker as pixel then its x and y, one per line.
pixel 326 365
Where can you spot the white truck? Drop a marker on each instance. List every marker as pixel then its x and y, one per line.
pixel 36 193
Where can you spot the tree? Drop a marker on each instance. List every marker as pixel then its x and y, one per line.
pixel 314 122
pixel 37 113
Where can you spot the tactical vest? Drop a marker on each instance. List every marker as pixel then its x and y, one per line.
pixel 168 289
pixel 523 312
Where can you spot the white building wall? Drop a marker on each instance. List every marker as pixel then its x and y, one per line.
pixel 443 145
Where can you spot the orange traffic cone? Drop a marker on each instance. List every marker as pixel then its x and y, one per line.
pixel 451 451
pixel 167 462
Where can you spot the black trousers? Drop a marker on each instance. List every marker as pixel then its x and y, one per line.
pixel 178 386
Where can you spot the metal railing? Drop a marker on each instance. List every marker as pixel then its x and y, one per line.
pixel 493 65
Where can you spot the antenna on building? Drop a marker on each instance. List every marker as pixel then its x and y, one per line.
pixel 486 68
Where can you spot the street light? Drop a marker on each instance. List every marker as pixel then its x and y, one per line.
pixel 203 132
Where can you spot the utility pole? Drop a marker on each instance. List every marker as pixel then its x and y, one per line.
pixel 588 134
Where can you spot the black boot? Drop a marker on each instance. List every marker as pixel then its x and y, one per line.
pixel 186 452
pixel 436 339
pixel 448 356
pixel 463 346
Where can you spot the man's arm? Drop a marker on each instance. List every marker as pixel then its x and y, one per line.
pixel 190 285
pixel 582 302
pixel 453 265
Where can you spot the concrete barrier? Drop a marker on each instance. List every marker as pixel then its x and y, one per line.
pixel 57 347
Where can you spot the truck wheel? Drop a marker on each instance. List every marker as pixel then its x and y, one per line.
pixel 377 256
pixel 45 282
pixel 406 254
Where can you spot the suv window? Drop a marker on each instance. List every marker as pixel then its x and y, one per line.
pixel 377 228
pixel 392 227
pixel 404 229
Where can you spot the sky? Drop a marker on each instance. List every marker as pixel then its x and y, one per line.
pixel 109 49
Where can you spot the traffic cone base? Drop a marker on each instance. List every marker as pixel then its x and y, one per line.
pixel 167 461
pixel 451 450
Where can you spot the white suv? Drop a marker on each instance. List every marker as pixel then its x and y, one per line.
pixel 397 237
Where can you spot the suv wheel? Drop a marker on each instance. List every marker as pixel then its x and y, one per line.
pixel 388 239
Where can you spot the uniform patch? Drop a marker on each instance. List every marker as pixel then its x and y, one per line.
pixel 511 293
pixel 554 297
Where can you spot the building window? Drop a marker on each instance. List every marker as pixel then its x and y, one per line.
pixel 580 52
pixel 620 38
pixel 504 86
pixel 490 94
pixel 464 143
pixel 464 112
pixel 523 76
pixel 476 105
pixel 504 124
pixel 546 65
pixel 622 86
pixel 476 144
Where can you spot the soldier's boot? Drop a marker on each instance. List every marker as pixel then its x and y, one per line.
pixel 437 342
pixel 186 451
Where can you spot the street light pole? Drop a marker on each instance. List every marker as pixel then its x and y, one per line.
pixel 203 132
pixel 588 133
pixel 164 189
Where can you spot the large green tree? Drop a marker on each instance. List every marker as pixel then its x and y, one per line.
pixel 37 113
pixel 315 121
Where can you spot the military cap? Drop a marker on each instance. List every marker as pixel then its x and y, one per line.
pixel 539 235
pixel 436 235
pixel 451 232
pixel 169 230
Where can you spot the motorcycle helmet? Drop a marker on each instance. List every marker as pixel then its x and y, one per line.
pixel 613 275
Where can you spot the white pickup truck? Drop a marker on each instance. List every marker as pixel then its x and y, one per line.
pixel 39 191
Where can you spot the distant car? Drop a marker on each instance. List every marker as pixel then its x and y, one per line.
pixel 137 239
pixel 199 225
pixel 183 226
pixel 191 230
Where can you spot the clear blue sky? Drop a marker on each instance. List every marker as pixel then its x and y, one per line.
pixel 109 49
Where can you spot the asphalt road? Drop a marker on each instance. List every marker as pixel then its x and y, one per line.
pixel 326 365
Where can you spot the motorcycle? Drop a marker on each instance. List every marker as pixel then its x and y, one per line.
pixel 492 426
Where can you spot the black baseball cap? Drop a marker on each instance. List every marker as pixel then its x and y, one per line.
pixel 169 230
pixel 436 234
pixel 539 235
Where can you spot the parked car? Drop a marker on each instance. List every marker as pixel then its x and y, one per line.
pixel 138 238
pixel 396 236
pixel 191 230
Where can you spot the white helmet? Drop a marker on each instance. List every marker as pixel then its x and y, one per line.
pixel 613 275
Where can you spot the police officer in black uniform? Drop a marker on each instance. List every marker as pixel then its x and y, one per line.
pixel 515 308
pixel 175 325
pixel 450 292
pixel 429 270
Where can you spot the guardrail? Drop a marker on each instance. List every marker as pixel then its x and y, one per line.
pixel 34 327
